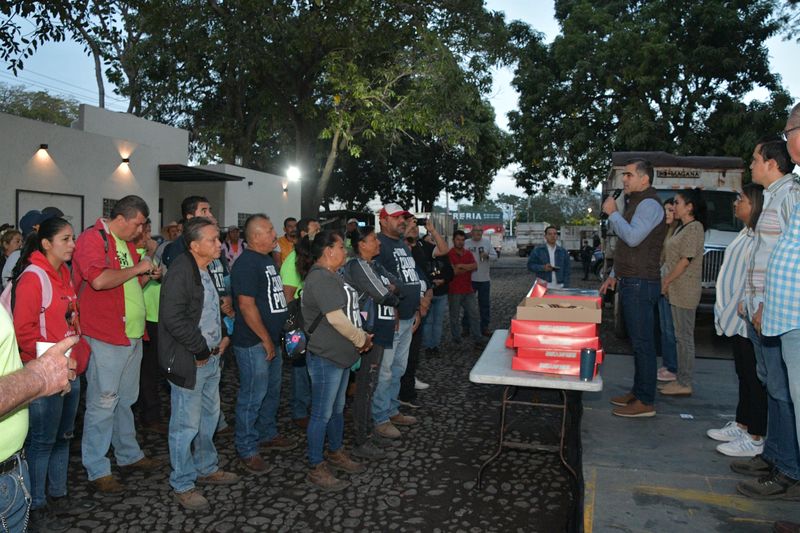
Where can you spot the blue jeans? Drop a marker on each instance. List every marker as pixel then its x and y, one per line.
pixel 385 403
pixel 52 424
pixel 434 321
pixel 259 395
pixel 483 289
pixel 301 391
pixel 780 447
pixel 112 380
pixel 790 347
pixel 328 390
pixel 15 497
pixel 669 352
pixel 639 300
pixel 195 413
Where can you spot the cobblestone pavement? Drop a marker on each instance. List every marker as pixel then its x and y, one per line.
pixel 426 484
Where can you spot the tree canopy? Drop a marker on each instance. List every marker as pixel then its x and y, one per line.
pixel 38 105
pixel 628 75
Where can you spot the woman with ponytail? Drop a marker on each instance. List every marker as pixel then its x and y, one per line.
pixel 332 318
pixel 45 309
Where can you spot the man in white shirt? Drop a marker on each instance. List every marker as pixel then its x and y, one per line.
pixel 484 253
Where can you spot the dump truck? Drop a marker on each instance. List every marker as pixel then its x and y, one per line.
pixel 529 236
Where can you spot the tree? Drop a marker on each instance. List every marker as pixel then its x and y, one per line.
pixel 37 105
pixel 17 45
pixel 628 75
pixel 305 82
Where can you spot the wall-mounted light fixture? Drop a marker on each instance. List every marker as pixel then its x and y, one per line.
pixel 126 160
pixel 43 146
pixel 286 187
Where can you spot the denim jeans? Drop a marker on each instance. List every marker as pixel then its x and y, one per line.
pixel 484 291
pixel 366 381
pixel 639 300
pixel 52 425
pixel 259 395
pixel 780 447
pixel 112 386
pixel 669 354
pixel 328 390
pixel 408 389
pixel 301 390
pixel 790 347
pixel 15 498
pixel 193 421
pixel 434 320
pixel 385 402
pixel 469 303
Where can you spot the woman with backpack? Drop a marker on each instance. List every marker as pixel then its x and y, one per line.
pixel 45 310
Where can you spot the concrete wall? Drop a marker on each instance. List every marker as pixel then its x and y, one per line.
pixel 259 192
pixel 83 161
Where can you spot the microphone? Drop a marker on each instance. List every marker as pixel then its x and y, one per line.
pixel 614 195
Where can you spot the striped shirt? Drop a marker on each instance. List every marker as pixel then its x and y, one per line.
pixel 782 303
pixel 779 201
pixel 730 285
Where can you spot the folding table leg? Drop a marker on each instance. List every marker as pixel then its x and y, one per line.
pixel 504 404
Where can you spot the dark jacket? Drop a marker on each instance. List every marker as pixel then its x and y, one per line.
pixel 540 256
pixel 180 342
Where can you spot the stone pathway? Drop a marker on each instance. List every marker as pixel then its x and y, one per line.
pixel 426 484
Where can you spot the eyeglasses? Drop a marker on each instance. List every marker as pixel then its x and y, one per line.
pixel 785 133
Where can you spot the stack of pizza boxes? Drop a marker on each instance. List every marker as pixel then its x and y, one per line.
pixel 552 326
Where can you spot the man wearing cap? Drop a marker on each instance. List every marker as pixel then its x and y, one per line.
pixel 350 232
pixel 395 256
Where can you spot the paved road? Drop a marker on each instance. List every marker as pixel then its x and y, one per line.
pixel 426 484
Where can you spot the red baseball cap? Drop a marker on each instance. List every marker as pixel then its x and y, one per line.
pixel 393 210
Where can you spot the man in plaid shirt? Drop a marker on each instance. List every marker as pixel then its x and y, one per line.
pixel 781 319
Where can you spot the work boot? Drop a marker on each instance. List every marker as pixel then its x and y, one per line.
pixel 145 464
pixel 255 465
pixel 403 420
pixel 44 520
pixel 387 431
pixel 220 477
pixel 635 409
pixel 192 500
pixel 755 466
pixel 279 443
pixel 108 485
pixel 339 460
pixel 322 477
pixel 774 486
pixel 623 400
pixel 368 451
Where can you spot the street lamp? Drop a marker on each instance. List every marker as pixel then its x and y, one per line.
pixel 293 173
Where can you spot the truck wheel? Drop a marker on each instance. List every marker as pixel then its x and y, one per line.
pixel 521 252
pixel 619 321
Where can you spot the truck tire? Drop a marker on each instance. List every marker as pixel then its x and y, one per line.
pixel 521 252
pixel 619 321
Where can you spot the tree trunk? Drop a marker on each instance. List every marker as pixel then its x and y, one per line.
pixel 98 73
pixel 322 185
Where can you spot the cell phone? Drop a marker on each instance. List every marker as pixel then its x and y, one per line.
pixel 422 221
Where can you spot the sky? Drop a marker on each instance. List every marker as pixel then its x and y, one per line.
pixel 63 68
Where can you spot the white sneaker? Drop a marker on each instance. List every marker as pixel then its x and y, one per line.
pixel 728 433
pixel 420 385
pixel 743 447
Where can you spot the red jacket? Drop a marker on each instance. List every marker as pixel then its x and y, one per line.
pixel 61 316
pixel 102 312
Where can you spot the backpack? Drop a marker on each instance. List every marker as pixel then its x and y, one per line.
pixel 295 337
pixel 7 297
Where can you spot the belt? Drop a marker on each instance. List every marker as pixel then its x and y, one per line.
pixel 11 463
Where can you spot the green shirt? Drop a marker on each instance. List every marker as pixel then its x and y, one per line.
pixel 289 274
pixel 152 293
pixel 14 425
pixel 134 298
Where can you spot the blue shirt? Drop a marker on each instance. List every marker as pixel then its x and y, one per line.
pixel 255 275
pixel 782 295
pixel 396 257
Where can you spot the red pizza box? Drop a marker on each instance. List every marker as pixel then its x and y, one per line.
pixel 563 367
pixel 565 354
pixel 570 329
pixel 538 289
pixel 510 340
pixel 525 340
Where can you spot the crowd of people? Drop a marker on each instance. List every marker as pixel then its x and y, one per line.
pixel 137 313
pixel 658 268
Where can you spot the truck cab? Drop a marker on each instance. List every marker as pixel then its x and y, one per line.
pixel 720 180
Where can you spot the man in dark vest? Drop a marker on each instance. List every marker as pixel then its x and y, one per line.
pixel 640 230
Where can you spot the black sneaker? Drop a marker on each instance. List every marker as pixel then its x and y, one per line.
pixel 774 486
pixel 368 451
pixel 754 466
pixel 43 520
